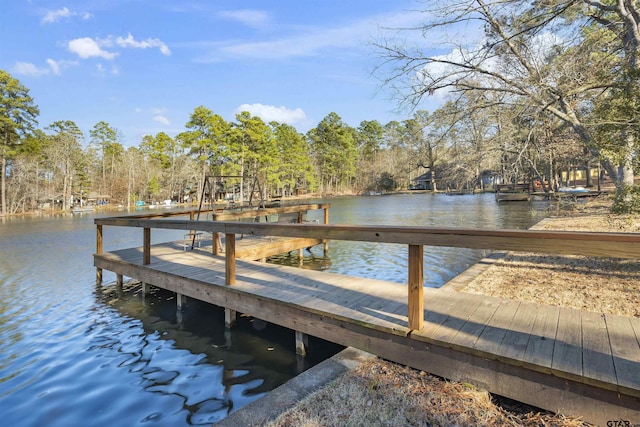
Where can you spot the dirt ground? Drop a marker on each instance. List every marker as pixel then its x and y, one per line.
pixel 383 393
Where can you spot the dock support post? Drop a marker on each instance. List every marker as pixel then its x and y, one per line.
pixel 300 257
pixel 145 289
pixel 180 300
pixel 119 282
pixel 416 287
pixel 229 318
pixel 302 342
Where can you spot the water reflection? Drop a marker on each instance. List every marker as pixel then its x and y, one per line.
pixel 221 370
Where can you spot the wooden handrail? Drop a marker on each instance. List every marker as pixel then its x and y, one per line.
pixel 614 245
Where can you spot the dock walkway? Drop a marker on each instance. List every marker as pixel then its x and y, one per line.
pixel 561 359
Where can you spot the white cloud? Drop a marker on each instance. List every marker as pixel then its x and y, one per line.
pixel 28 69
pixel 102 71
pixel 57 66
pixel 251 18
pixel 55 15
pixel 161 119
pixel 87 47
pixel 130 42
pixel 54 67
pixel 310 41
pixel 270 113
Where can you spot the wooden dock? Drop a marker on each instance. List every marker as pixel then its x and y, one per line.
pixel 513 193
pixel 568 361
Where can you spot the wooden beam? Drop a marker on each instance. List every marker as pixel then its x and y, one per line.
pixel 98 251
pixel 230 259
pixel 416 287
pixel 146 245
pixel 215 244
pixel 264 249
pixel 230 216
pixel 326 222
pixel 99 238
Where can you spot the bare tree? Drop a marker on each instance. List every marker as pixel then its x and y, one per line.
pixel 554 56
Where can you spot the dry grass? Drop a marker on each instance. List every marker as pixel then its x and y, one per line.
pixel 383 393
pixel 610 286
pixel 380 393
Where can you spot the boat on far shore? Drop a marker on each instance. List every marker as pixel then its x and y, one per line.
pixel 573 190
pixel 83 209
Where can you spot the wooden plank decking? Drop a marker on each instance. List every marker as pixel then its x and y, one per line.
pixel 569 361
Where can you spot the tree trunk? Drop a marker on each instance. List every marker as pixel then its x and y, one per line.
pixel 3 178
pixel 3 173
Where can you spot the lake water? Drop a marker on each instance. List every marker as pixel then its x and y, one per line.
pixel 73 353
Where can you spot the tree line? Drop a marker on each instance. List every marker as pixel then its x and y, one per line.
pixel 552 87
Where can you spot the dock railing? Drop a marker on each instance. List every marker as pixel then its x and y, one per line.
pixel 592 244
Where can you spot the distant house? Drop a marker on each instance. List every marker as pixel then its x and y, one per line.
pixel 423 182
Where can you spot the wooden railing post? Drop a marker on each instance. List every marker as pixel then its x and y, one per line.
pixel 230 259
pixel 146 247
pixel 99 238
pixel 229 274
pixel 326 242
pixel 416 287
pixel 99 251
pixel 215 243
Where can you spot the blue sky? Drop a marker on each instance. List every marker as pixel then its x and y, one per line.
pixel 144 65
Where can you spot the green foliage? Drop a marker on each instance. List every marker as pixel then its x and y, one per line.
pixel 257 145
pixel 161 148
pixel 153 187
pixel 17 118
pixel 627 200
pixel 369 138
pixel 334 147
pixel 207 137
pixel 296 166
pixel 17 112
